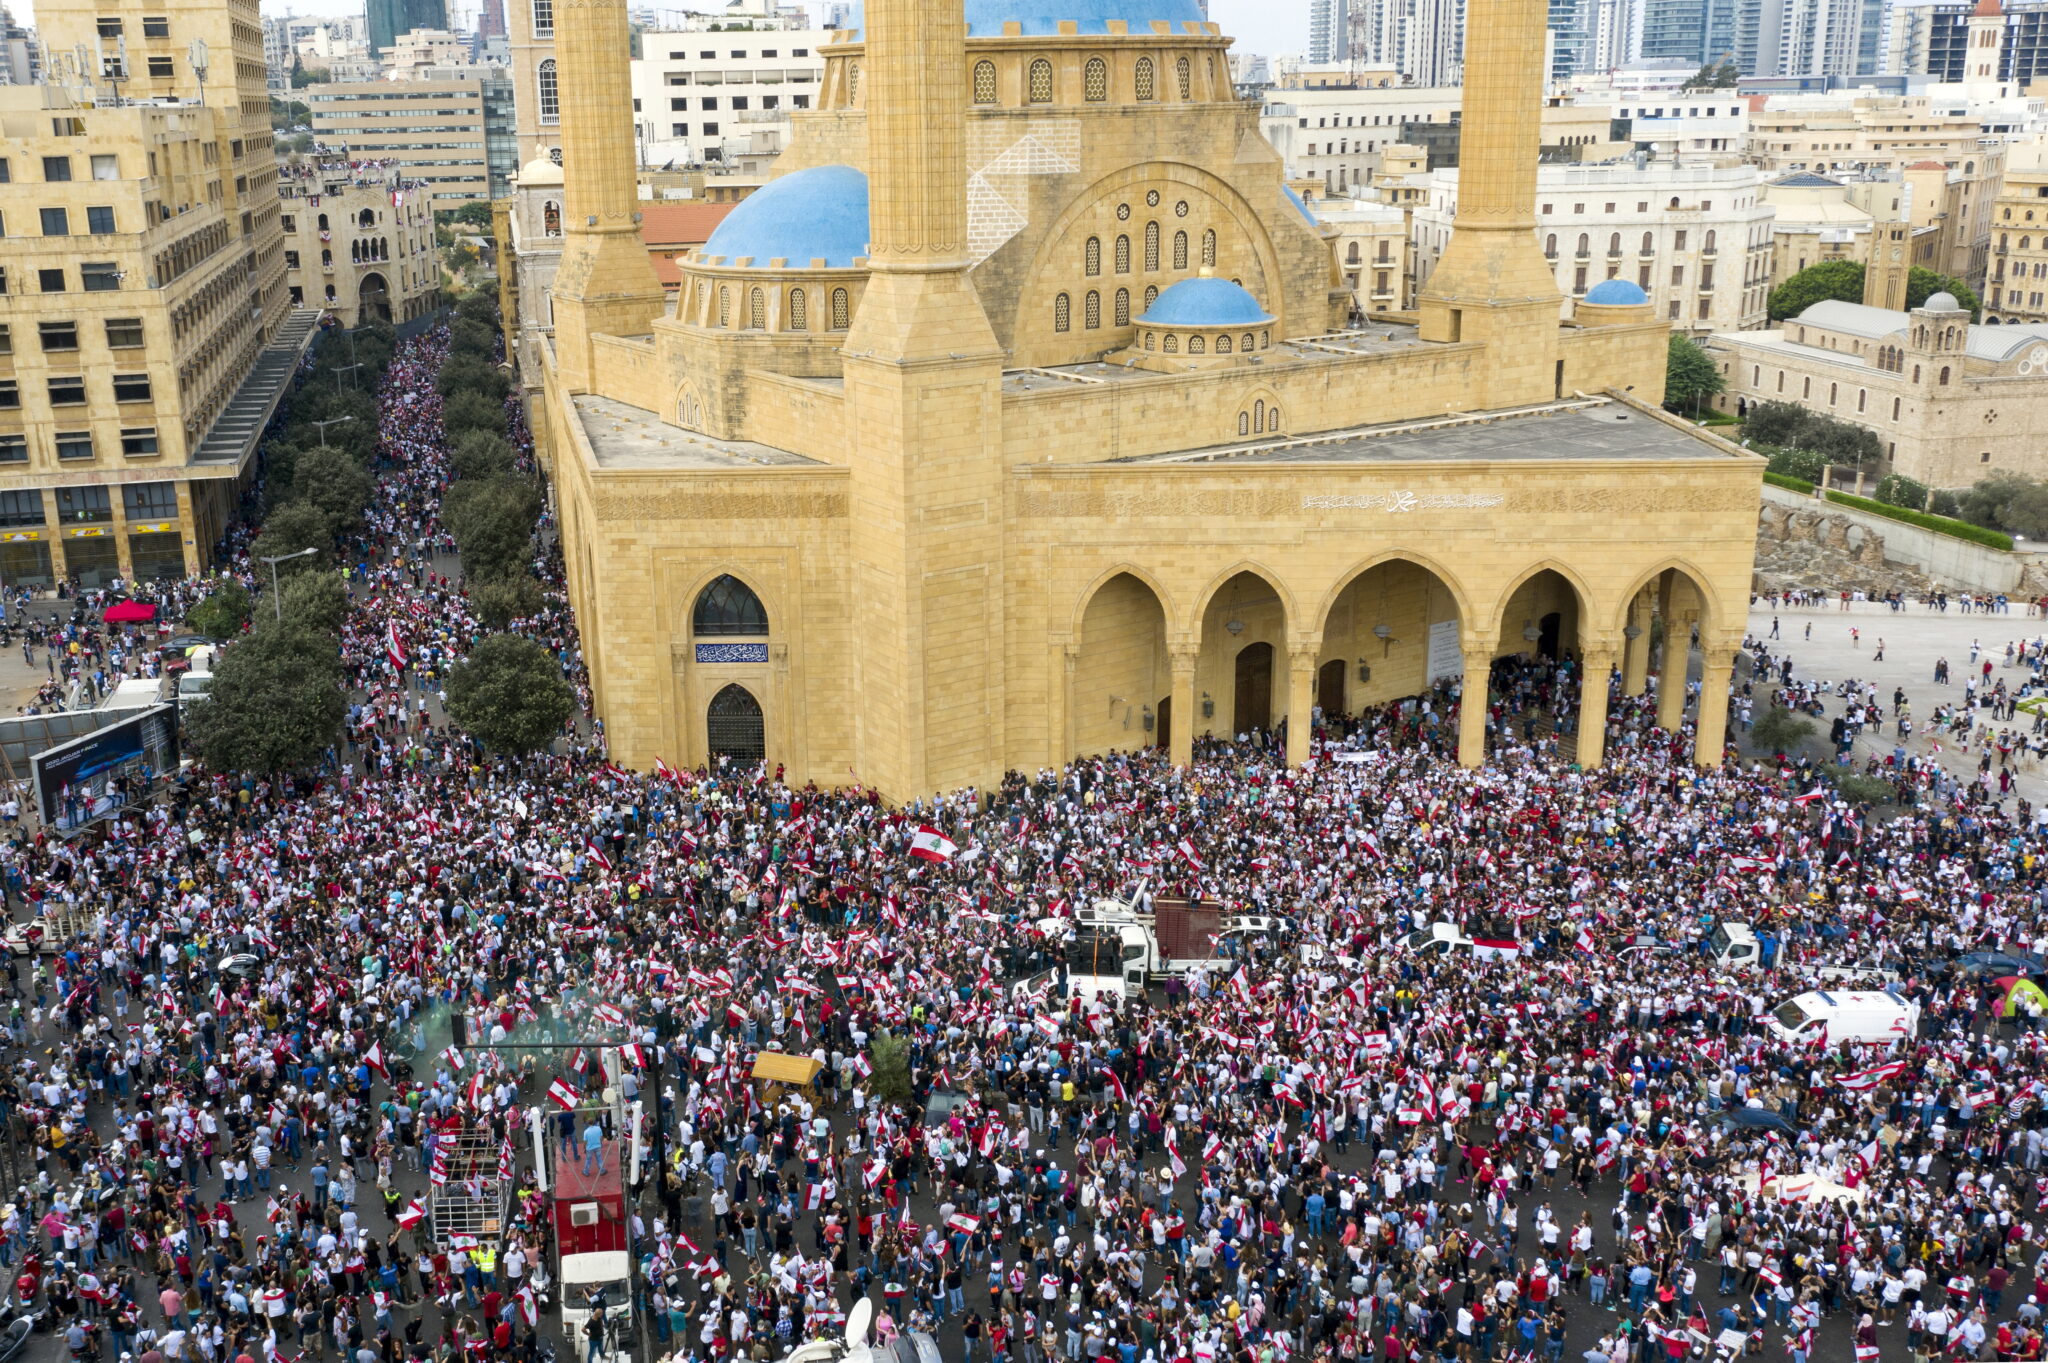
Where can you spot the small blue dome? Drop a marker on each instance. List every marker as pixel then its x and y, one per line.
pixel 1042 18
pixel 1616 293
pixel 1205 303
pixel 806 215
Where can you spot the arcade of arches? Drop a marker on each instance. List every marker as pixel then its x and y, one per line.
pixel 1138 676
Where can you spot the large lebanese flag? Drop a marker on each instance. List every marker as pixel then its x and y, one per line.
pixel 932 845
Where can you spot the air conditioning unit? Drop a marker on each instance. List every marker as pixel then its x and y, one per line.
pixel 583 1214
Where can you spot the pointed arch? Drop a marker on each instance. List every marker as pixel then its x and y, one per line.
pixel 1702 585
pixel 1583 599
pixel 1207 596
pixel 1102 579
pixel 1434 566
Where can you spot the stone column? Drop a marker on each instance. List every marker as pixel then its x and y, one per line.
pixel 1066 658
pixel 1472 703
pixel 1673 659
pixel 1301 699
pixel 1598 666
pixel 1635 654
pixel 1715 676
pixel 1181 742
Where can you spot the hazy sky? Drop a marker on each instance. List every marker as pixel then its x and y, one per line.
pixel 1274 26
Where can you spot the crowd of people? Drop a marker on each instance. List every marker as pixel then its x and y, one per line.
pixel 1323 1143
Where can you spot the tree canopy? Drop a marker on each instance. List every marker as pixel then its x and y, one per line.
pixel 276 702
pixel 1690 374
pixel 1842 280
pixel 509 693
pixel 224 611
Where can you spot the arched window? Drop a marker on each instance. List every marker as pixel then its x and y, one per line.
pixel 1091 257
pixel 728 606
pixel 550 93
pixel 323 222
pixel 734 726
pixel 1095 81
pixel 984 82
pixel 1041 81
pixel 1180 250
pixel 1197 346
pixel 1183 76
pixel 1614 244
pixel 1142 77
pixel 1062 312
pixel 1585 244
pixel 1123 255
pixel 839 310
pixel 1151 293
pixel 1649 242
pixel 852 82
pixel 1265 337
pixel 757 310
pixel 1223 344
pixel 543 17
pixel 1273 421
pixel 1259 417
pixel 1091 310
pixel 1148 340
pixel 724 306
pixel 1712 237
pixel 1944 373
pixel 799 314
pixel 366 218
pixel 1151 246
pixel 551 219
pixel 1209 247
pixel 1550 245
pixel 1171 345
pixel 1244 423
pixel 1123 307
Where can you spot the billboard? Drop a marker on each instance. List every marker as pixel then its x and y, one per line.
pixel 94 775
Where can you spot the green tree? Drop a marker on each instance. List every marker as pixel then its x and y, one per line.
pixel 1843 442
pixel 291 528
pixel 1776 423
pixel 476 214
pixel 1842 280
pixel 2018 506
pixel 223 613
pixel 473 338
pixel 1690 374
pixel 466 412
pixel 479 454
pixel 1859 789
pixel 1780 730
pixel 890 1056
pixel 492 520
pixel 509 693
pixel 335 481
pixel 500 601
pixel 480 307
pixel 276 702
pixel 1798 464
pixel 1895 489
pixel 467 374
pixel 1922 284
pixel 317 601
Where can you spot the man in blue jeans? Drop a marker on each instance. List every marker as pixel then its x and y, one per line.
pixel 593 1149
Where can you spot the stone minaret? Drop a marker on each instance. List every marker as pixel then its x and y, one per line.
pixel 1493 284
pixel 605 282
pixel 923 398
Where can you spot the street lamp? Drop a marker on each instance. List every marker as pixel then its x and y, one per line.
pixel 277 598
pixel 331 421
pixel 339 370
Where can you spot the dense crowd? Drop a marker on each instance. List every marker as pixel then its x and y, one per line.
pixel 237 1067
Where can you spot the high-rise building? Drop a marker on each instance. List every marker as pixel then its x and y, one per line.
pixel 490 20
pixel 147 335
pixel 1422 39
pixel 1934 38
pixel 454 132
pixel 1692 31
pixel 1328 31
pixel 389 18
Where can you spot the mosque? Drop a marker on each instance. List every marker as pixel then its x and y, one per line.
pixel 1019 418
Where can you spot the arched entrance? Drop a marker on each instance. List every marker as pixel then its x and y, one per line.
pixel 1253 688
pixel 1243 640
pixel 374 295
pixel 1122 680
pixel 734 726
pixel 1390 656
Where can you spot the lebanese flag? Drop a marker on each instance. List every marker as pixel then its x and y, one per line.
pixel 1754 865
pixel 1116 1086
pixel 1188 853
pixel 610 1015
pixel 413 1214
pixel 1045 1024
pixel 1493 948
pixel 1863 1080
pixel 1861 1163
pixel 1585 941
pixel 964 1223
pixel 929 844
pixel 1180 1168
pixel 1377 1045
pixel 1409 1116
pixel 597 855
pixel 564 1097
pixel 636 1055
pixel 452 1058
pixel 1816 793
pixel 864 1066
pixel 374 1058
pixel 394 648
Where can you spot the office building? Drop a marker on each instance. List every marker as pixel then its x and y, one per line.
pixel 703 98
pixel 389 18
pixel 1328 31
pixel 453 133
pixel 1688 33
pixel 147 333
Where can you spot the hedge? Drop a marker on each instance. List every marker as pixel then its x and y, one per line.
pixel 1788 481
pixel 1941 525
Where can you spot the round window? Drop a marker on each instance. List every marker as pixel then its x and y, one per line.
pixel 1151 198
pixel 1180 210
pixel 1122 211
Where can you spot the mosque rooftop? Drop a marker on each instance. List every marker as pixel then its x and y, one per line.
pixel 1376 338
pixel 1588 428
pixel 624 437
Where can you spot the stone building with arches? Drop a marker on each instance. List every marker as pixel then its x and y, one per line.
pixel 358 242
pixel 1018 418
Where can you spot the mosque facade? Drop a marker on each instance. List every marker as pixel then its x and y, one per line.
pixel 1018 418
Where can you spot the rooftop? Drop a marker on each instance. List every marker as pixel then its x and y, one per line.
pixel 1591 428
pixel 623 437
pixel 1376 339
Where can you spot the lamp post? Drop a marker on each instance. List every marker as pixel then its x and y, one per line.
pixel 339 370
pixel 331 421
pixel 276 597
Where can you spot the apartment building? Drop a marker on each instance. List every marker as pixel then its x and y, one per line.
pixel 1336 136
pixel 2016 277
pixel 1819 219
pixel 1372 248
pixel 359 241
pixel 147 334
pixel 1696 239
pixel 454 134
pixel 703 98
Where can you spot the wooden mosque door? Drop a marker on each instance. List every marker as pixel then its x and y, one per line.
pixel 1254 707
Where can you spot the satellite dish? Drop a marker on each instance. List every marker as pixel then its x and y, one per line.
pixel 857 1322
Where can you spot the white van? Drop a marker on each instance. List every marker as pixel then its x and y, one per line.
pixel 196 682
pixel 1866 1016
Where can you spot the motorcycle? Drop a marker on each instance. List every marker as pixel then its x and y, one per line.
pixel 15 1336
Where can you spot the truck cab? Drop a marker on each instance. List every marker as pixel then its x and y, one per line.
pixel 601 1278
pixel 1734 946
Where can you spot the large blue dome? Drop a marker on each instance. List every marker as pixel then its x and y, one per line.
pixel 806 215
pixel 1042 18
pixel 1616 293
pixel 1205 303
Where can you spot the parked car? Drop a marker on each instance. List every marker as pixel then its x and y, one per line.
pixel 177 652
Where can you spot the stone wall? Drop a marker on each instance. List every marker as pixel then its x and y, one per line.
pixel 1803 541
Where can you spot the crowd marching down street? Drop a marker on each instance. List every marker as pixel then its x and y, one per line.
pixel 1324 1145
